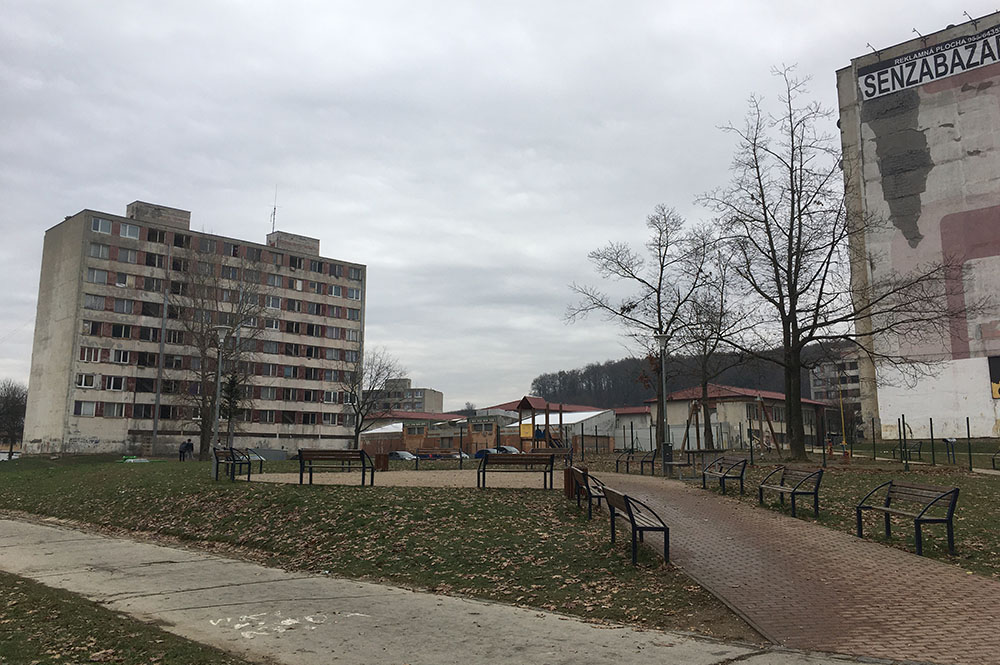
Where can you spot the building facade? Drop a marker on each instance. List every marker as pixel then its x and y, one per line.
pixel 918 124
pixel 400 395
pixel 117 350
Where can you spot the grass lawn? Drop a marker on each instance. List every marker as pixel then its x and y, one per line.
pixel 40 625
pixel 977 536
pixel 524 547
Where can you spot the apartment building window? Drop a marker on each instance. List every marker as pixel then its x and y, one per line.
pixel 92 301
pixel 179 288
pixel 114 383
pixel 291 349
pixel 351 356
pixel 266 416
pixel 182 240
pixel 155 260
pixel 272 302
pixel 142 411
pixel 314 308
pixel 333 332
pixel 99 251
pixel 268 392
pixel 308 396
pixel 90 354
pixel 335 312
pixel 314 330
pixel 166 412
pixel 153 284
pixel 289 394
pixel 336 290
pixel 145 385
pixel 175 337
pixel 269 347
pixel 146 359
pixel 353 314
pixel 295 284
pixel 123 306
pixel 230 272
pixel 331 354
pixel 353 335
pixel 751 411
pixel 778 414
pixel 171 387
pixel 179 265
pixel 272 324
pixel 205 268
pixel 293 327
pixel 149 334
pixel 254 253
pixel 354 274
pixel 151 309
pixel 354 294
pixel 336 270
pixel 129 231
pixel 230 249
pixel 156 235
pixel 98 225
pixel 120 357
pixel 114 410
pixel 415 429
pixel 317 287
pixel 84 408
pixel 293 305
pixel 295 262
pixel 206 245
pixel 121 331
pixel 173 361
pixel 95 276
pixel 85 380
pixel 251 276
pixel 273 280
pixel 314 352
pixel 122 279
pixel 313 373
pixel 269 369
pixel 482 427
pixel 277 259
pixel 308 418
pixel 329 418
pixel 129 256
pixel 288 372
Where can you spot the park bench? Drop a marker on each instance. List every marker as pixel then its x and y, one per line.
pixel 641 518
pixel 254 456
pixel 628 457
pixel 433 454
pixel 725 468
pixel 925 498
pixel 505 462
pixel 562 453
pixel 653 457
pixel 584 483
pixel 993 460
pixel 794 482
pixel 335 460
pixel 234 459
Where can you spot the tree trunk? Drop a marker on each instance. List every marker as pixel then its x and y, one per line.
pixel 794 427
pixel 709 439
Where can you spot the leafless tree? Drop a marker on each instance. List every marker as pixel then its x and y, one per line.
pixel 222 319
pixel 791 243
pixel 13 401
pixel 366 387
pixel 662 281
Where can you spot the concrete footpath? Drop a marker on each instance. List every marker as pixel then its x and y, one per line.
pixel 302 619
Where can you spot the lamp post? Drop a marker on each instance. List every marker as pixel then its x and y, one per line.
pixel 666 453
pixel 221 332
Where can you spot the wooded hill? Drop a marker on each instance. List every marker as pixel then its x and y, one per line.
pixel 631 381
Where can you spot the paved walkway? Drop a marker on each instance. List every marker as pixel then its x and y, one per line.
pixel 809 587
pixel 306 620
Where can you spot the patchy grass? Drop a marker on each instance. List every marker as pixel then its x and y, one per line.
pixel 525 547
pixel 41 625
pixel 977 539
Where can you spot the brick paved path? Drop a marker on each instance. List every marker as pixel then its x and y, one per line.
pixel 809 587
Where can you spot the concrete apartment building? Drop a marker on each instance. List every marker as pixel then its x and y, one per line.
pixel 400 395
pixel 918 124
pixel 112 337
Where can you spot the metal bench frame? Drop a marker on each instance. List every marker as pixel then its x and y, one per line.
pixel 348 460
pixel 927 495
pixel 584 483
pixel 641 518
pixel 798 476
pixel 725 465
pixel 235 459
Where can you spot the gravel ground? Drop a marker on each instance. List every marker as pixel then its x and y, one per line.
pixel 430 478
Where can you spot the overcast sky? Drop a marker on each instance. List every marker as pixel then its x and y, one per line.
pixel 469 153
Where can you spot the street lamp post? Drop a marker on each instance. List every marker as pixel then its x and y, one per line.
pixel 221 331
pixel 666 452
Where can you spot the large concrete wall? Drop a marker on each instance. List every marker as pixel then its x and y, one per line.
pixel 922 157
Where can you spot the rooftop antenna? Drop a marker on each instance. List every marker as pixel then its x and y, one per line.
pixel 878 54
pixel 274 210
pixel 975 23
pixel 923 40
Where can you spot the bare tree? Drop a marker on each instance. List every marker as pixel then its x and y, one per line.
pixel 13 401
pixel 791 244
pixel 221 317
pixel 662 280
pixel 366 387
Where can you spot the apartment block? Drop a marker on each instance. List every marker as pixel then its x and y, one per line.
pixel 114 353
pixel 400 395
